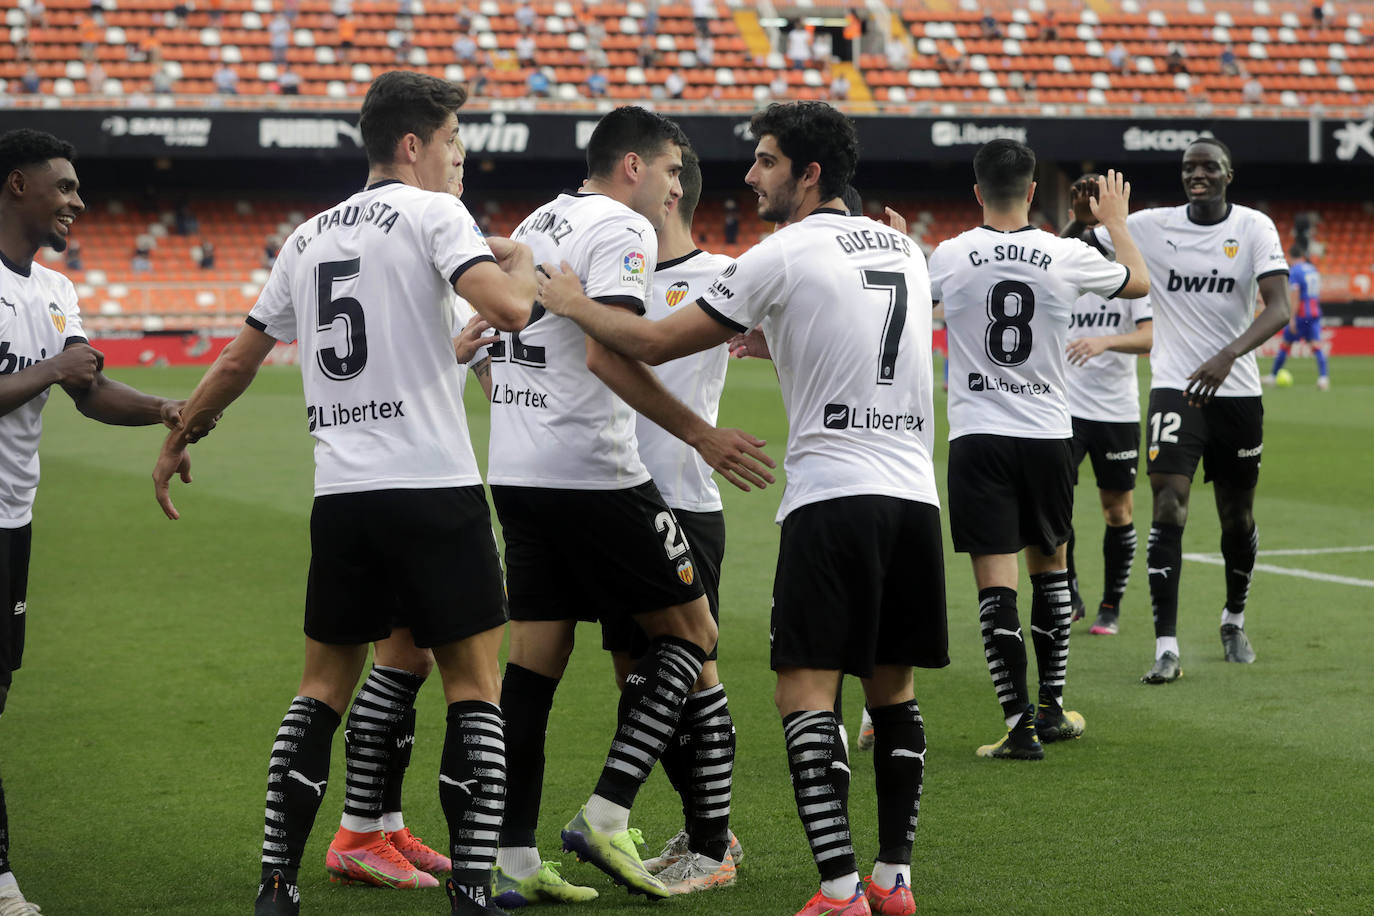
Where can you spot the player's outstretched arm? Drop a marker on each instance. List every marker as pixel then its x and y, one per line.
pixel 1082 349
pixel 74 368
pixel 1207 378
pixel 108 401
pixel 686 331
pixel 1111 207
pixel 228 378
pixel 502 293
pixel 734 454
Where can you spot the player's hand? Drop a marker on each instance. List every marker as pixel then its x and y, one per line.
pixel 1082 349
pixel 751 344
pixel 736 456
pixel 76 366
pixel 1207 378
pixel 173 459
pixel 559 288
pixel 472 338
pixel 895 220
pixel 511 256
pixel 1080 195
pixel 1113 201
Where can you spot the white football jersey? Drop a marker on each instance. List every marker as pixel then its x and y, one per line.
pixel 845 306
pixel 1105 388
pixel 38 318
pixel 697 380
pixel 1008 301
pixel 1202 282
pixel 554 423
pixel 366 288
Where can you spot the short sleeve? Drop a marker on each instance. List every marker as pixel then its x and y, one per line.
pixel 936 264
pixel 274 313
pixel 620 258
pixel 1094 273
pixel 454 239
pixel 73 331
pixel 1141 310
pixel 748 290
pixel 1267 248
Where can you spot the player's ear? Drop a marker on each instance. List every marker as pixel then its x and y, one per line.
pixel 633 165
pixel 979 196
pixel 1030 192
pixel 812 175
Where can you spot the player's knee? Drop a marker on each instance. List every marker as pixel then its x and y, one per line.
pixel 1117 515
pixel 1171 504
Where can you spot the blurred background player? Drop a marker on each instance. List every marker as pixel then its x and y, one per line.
pixel 1305 285
pixel 42 343
pixel 1009 290
pixel 1208 257
pixel 1104 402
pixel 699 759
pixel 588 535
pixel 399 512
pixel 845 309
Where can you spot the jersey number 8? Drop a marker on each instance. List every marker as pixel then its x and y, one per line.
pixel 1008 338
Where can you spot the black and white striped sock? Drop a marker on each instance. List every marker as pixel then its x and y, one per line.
pixel 706 717
pixel 1118 553
pixel 373 719
pixel 1051 611
pixel 472 790
pixel 1004 648
pixel 651 703
pixel 820 782
pixel 297 775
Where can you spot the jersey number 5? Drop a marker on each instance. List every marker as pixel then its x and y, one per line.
pixel 1008 338
pixel 334 364
pixel 895 285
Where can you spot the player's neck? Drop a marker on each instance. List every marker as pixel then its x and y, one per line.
pixel 1006 220
pixel 18 251
pixel 812 202
pixel 405 174
pixel 675 241
pixel 1208 211
pixel 611 189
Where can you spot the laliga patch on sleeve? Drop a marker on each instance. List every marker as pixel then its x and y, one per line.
pixel 634 268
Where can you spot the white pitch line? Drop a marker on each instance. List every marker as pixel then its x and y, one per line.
pixel 1314 551
pixel 1285 571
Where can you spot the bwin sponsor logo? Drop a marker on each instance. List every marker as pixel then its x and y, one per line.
pixel 1211 284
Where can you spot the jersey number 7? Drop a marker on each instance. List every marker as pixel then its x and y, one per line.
pixel 895 285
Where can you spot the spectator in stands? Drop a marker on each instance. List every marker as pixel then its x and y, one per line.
pixel 537 84
pixel 30 81
pixel 1318 15
pixel 95 77
pixel 207 255
pixel 1230 66
pixel 143 253
pixel 288 81
pixel 839 87
pixel 898 53
pixel 648 52
pixel 348 32
pixel 180 10
pixel 463 18
pixel 291 9
pixel 596 34
pixel 409 8
pixel 675 84
pixel 703 11
pixel 35 15
pixel 1117 57
pixel 477 86
pixel 778 87
pixel 525 48
pixel 89 32
pixel 823 48
pixel 524 15
pixel 1175 62
pixel 730 223
pixel 465 48
pixel 279 37
pixel 226 79
pixel 799 46
pixel 596 84
pixel 991 27
pixel 184 219
pixel 651 19
pixel 72 256
pixel 706 50
pixel 1049 27
pixel 161 78
pixel 1252 91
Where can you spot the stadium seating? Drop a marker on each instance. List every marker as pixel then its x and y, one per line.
pixel 970 52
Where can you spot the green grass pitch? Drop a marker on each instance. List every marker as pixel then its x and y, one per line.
pixel 161 657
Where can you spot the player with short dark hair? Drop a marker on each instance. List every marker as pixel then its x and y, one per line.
pixel 366 288
pixel 42 343
pixel 1008 290
pixel 845 308
pixel 588 535
pixel 1305 291
pixel 1104 402
pixel 1208 258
